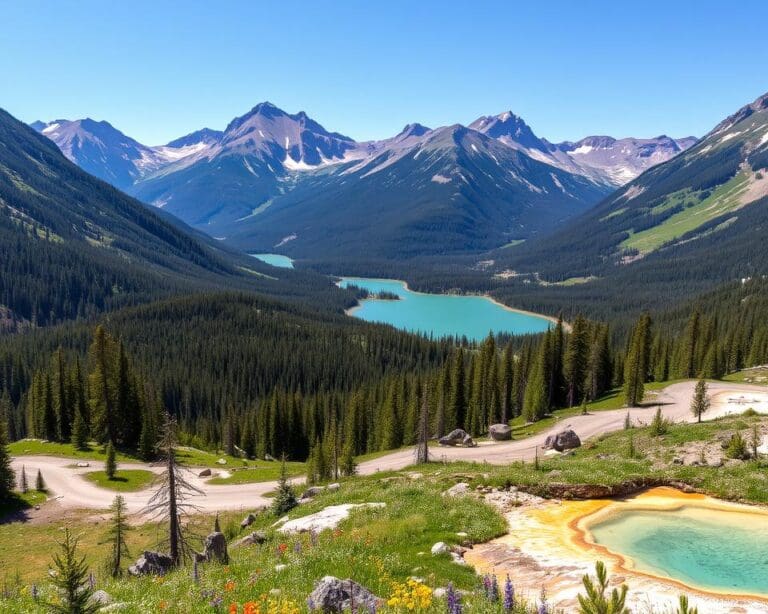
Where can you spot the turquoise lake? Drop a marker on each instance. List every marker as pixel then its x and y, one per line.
pixel 717 550
pixel 441 315
pixel 283 262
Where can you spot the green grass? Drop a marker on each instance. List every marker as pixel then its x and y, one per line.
pixel 21 501
pixel 125 480
pixel 189 456
pixel 261 472
pixel 758 376
pixel 724 198
pixel 374 547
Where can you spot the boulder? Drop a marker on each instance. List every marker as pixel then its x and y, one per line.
pixel 440 548
pixel 334 595
pixel 564 440
pixel 83 464
pixel 500 432
pixel 247 521
pixel 151 563
pixel 312 491
pixel 101 597
pixel 216 548
pixel 257 537
pixel 333 487
pixel 205 473
pixel 267 457
pixel 457 437
pixel 328 518
pixel 221 461
pixel 458 490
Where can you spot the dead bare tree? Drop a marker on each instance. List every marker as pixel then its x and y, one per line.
pixel 170 503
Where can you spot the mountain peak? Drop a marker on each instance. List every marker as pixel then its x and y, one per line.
pixel 414 129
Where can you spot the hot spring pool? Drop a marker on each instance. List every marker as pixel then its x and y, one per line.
pixel 710 549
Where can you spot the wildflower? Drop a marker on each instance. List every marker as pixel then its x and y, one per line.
pixel 297 547
pixel 509 595
pixel 35 593
pixel 229 586
pixel 216 601
pixel 494 592
pixel 543 606
pixel 310 603
pixel 163 605
pixel 232 608
pixel 195 571
pixel 251 607
pixel 453 599
pixel 281 549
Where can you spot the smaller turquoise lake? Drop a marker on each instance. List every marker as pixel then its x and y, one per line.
pixel 283 262
pixel 441 315
pixel 710 549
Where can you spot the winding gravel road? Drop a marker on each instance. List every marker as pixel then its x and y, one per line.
pixel 71 490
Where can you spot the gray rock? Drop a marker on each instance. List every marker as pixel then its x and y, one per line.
pixel 248 521
pixel 334 595
pixel 440 548
pixel 216 548
pixel 564 440
pixel 205 473
pixel 458 490
pixel 255 538
pixel 83 464
pixel 221 461
pixel 333 487
pixel 118 606
pixel 101 597
pixel 151 563
pixel 500 432
pixel 455 438
pixel 312 491
pixel 267 457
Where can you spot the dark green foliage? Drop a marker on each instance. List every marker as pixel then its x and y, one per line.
pixel 40 482
pixel 596 601
pixel 737 447
pixel 23 483
pixel 636 365
pixel 659 425
pixel 110 464
pixel 118 529
pixel 7 476
pixel 700 401
pixel 71 579
pixel 285 497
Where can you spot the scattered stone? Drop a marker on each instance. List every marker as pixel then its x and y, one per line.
pixel 457 437
pixel 151 563
pixel 281 567
pixel 118 606
pixel 500 432
pixel 334 595
pixel 216 548
pixel 268 457
pixel 83 464
pixel 439 593
pixel 312 491
pixel 564 440
pixel 457 490
pixel 101 597
pixel 333 487
pixel 328 518
pixel 458 559
pixel 221 461
pixel 205 473
pixel 275 591
pixel 439 548
pixel 280 521
pixel 248 521
pixel 462 534
pixel 257 537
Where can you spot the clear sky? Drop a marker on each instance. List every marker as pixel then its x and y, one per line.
pixel 158 70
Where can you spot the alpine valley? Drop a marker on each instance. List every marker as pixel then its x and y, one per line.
pixel 272 369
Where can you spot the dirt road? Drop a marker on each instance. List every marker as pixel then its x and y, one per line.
pixel 67 485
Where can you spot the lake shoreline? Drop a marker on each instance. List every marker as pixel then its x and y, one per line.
pixel 352 310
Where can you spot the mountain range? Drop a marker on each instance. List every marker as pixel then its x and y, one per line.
pixel 277 179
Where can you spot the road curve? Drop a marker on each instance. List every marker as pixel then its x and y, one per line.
pixel 66 484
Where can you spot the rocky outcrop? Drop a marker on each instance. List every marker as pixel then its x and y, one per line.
pixel 312 492
pixel 215 548
pixel 457 437
pixel 334 595
pixel 600 491
pixel 564 440
pixel 247 521
pixel 328 518
pixel 458 490
pixel 151 563
pixel 205 473
pixel 255 538
pixel 500 432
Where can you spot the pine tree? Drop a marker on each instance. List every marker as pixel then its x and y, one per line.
pixel 422 449
pixel 7 475
pixel 457 406
pixel 636 363
pixel 101 392
pixel 348 464
pixel 71 579
pixel 23 484
pixel 536 400
pixel 700 403
pixel 118 529
pixel 110 465
pixel 596 601
pixel 40 482
pixel 576 360
pixel 285 498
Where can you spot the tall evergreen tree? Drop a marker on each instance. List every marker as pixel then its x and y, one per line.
pixel 71 579
pixel 118 529
pixel 700 402
pixel 636 364
pixel 576 360
pixel 7 475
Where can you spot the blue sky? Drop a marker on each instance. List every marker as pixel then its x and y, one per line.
pixel 158 70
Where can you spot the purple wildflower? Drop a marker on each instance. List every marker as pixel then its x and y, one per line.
pixel 509 595
pixel 494 594
pixel 453 599
pixel 297 547
pixel 34 592
pixel 91 581
pixel 543 606
pixel 195 571
pixel 217 601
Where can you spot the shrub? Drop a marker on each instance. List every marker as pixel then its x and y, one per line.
pixel 737 447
